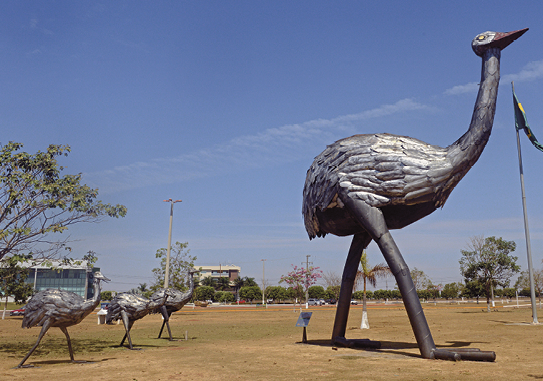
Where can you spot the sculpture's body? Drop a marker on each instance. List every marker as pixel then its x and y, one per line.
pixel 367 184
pixel 57 308
pixel 175 303
pixel 131 307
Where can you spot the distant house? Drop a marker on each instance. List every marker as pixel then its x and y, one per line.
pixel 216 272
pixel 74 278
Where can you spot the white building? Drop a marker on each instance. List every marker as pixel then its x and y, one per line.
pixel 216 272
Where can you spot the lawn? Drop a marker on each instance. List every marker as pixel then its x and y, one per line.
pixel 264 344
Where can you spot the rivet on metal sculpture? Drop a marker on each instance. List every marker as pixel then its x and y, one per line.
pixel 175 303
pixel 367 184
pixel 131 307
pixel 57 308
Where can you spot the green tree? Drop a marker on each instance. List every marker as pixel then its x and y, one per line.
pixel 473 289
pixel 332 292
pixel 37 202
pixel 523 282
pixel 276 293
pixel 223 283
pixel 180 263
pixel 316 292
pixel 142 290
pixel 451 290
pixel 12 279
pixel 369 274
pixel 223 297
pixel 250 282
pixel 250 293
pixel 204 293
pixel 488 261
pixel 420 280
pixel 106 295
pixel 209 282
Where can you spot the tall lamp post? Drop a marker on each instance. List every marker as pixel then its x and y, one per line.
pixel 167 272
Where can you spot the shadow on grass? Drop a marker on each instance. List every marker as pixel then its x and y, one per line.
pixel 36 364
pixel 395 346
pixel 55 346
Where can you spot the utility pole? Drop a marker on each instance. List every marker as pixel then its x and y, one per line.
pixel 263 282
pixel 167 270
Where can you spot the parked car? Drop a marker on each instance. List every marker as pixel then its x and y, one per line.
pixel 18 312
pixel 354 302
pixel 313 302
pixel 330 301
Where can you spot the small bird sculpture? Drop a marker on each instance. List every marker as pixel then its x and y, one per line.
pixel 175 303
pixel 131 307
pixel 366 185
pixel 58 308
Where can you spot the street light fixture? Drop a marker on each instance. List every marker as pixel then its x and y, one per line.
pixel 167 271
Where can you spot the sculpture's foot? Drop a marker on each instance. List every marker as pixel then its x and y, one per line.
pixel 356 343
pixel 25 366
pixel 466 354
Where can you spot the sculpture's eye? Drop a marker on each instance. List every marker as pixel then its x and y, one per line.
pixel 481 37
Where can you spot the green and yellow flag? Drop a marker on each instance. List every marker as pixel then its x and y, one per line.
pixel 522 123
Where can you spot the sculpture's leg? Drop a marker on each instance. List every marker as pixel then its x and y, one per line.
pixel 374 222
pixel 359 243
pixel 166 322
pixel 127 326
pixel 44 329
pixel 65 331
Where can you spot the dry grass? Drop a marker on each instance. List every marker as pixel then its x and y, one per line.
pixel 264 344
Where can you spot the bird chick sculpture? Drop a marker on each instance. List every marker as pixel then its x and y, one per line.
pixel 366 185
pixel 58 308
pixel 132 307
pixel 175 303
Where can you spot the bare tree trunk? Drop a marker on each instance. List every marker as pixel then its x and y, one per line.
pixel 365 323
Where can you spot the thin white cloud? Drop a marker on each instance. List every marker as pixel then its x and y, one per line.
pixel 532 71
pixel 471 87
pixel 272 146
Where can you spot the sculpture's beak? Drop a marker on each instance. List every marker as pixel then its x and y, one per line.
pixel 101 277
pixel 503 40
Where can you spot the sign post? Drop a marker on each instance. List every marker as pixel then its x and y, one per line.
pixel 303 321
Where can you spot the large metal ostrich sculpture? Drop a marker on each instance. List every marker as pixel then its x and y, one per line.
pixel 57 308
pixel 367 184
pixel 132 307
pixel 175 303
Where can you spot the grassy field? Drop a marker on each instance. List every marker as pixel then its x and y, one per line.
pixel 264 344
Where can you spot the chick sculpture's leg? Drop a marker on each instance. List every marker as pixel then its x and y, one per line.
pixel 374 223
pixel 44 329
pixel 65 331
pixel 166 317
pixel 127 326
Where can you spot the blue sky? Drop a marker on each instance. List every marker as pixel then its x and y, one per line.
pixel 224 104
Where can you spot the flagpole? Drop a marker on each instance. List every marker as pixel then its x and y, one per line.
pixel 526 229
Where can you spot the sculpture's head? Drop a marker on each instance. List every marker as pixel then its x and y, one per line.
pixel 98 275
pixel 487 40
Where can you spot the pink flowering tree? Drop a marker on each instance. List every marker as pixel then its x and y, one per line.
pixel 300 279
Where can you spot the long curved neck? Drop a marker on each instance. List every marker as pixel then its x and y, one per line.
pixel 466 150
pixel 97 297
